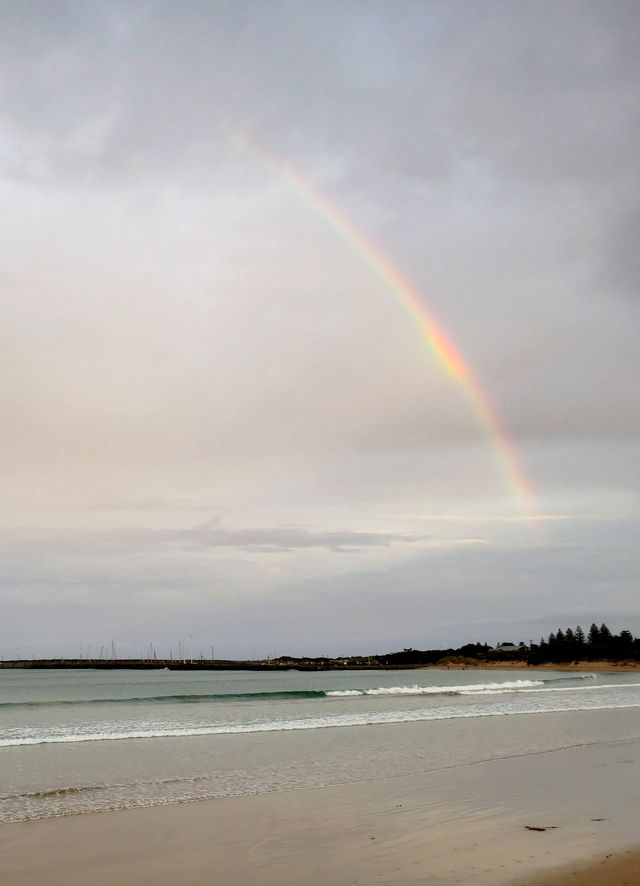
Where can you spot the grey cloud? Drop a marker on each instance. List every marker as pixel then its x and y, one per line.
pixel 528 96
pixel 621 266
pixel 519 84
pixel 498 591
pixel 213 535
pixel 183 327
pixel 548 89
pixel 440 598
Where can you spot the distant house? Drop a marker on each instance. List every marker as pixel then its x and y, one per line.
pixel 510 647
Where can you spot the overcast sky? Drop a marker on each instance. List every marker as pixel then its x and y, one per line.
pixel 217 421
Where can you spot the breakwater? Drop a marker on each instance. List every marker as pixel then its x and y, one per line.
pixel 173 664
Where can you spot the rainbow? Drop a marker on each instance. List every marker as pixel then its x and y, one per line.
pixel 433 335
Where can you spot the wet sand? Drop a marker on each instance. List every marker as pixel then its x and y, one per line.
pixel 610 870
pixel 472 824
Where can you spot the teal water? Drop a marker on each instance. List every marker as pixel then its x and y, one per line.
pixel 80 741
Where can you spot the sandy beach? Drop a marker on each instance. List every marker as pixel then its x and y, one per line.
pixel 506 821
pixel 586 666
pixel 610 870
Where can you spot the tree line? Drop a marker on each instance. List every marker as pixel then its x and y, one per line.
pixel 565 645
pixel 571 644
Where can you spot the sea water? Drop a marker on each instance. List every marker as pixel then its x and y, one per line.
pixel 76 741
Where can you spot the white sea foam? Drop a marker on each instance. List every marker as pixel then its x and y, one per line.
pixel 368 718
pixel 466 688
pixel 559 689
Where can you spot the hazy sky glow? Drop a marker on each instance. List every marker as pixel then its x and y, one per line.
pixel 218 417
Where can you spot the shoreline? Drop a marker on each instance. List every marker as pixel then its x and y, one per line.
pixel 506 821
pixel 280 762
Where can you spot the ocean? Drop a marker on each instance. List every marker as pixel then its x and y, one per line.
pixel 74 741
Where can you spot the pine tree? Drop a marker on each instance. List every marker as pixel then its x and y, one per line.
pixel 594 635
pixel 626 639
pixel 579 635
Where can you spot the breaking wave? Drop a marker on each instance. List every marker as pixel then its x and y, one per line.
pixel 293 694
pixel 112 732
